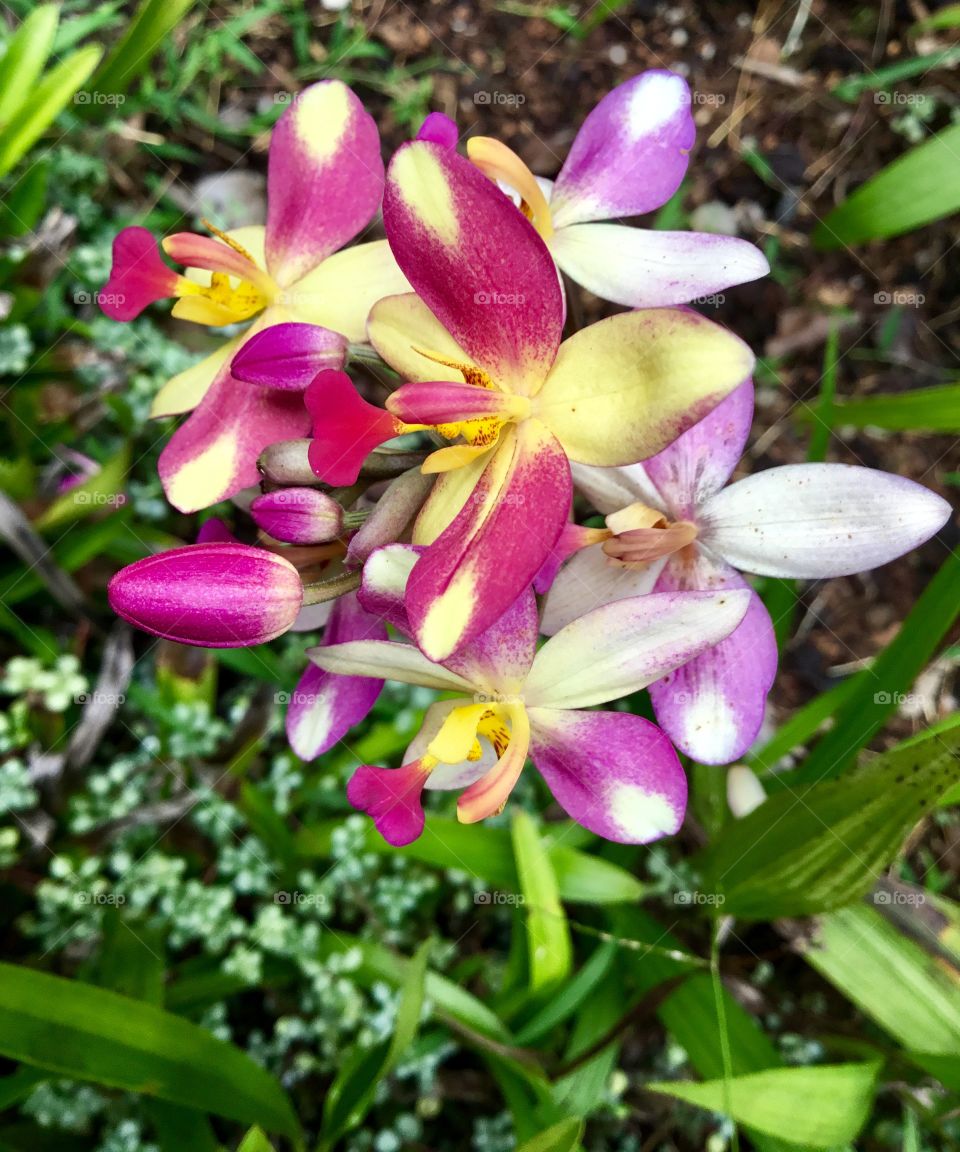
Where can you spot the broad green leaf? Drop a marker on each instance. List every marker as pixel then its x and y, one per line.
pixel 102 492
pixel 87 1033
pixel 151 25
pixel 23 62
pixel 804 724
pixel 816 1107
pixel 946 1069
pixel 18 1085
pixel 921 186
pixel 562 1137
pixel 824 847
pixel 911 994
pixel 581 1091
pixel 881 687
pixel 47 101
pixel 548 937
pixel 486 854
pixel 948 17
pixel 922 410
pixel 410 1006
pixel 131 959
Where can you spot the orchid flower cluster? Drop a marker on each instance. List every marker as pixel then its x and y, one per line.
pixel 427 523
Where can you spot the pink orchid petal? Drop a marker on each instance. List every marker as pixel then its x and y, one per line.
pixel 324 179
pixel 288 356
pixel 346 428
pixel 614 773
pixel 392 797
pixel 631 154
pixel 815 520
pixel 324 706
pixel 444 402
pixel 213 454
pixel 642 268
pixel 439 129
pixel 500 658
pixel 298 516
pixel 622 647
pixel 138 276
pixel 209 595
pixel 210 253
pixel 493 548
pixel 712 707
pixel 475 261
pixel 589 580
pixel 574 538
pixel 702 459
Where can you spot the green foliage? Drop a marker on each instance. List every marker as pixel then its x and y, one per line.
pixel 923 185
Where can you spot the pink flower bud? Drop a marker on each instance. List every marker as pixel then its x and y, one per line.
pixel 211 595
pixel 298 516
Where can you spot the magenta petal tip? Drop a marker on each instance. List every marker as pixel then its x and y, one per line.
pixel 218 595
pixel 392 797
pixel 288 356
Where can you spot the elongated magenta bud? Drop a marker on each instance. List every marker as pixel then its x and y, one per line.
pixel 211 595
pixel 298 516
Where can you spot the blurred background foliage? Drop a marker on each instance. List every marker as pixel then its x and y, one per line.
pixel 203 945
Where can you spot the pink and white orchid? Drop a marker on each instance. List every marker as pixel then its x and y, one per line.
pixel 628 158
pixel 325 183
pixel 481 347
pixel 613 772
pixel 673 526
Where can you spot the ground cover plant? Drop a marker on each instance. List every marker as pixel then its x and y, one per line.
pixel 477 615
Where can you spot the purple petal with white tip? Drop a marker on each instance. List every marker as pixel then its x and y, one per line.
pixel 712 707
pixel 631 153
pixel 614 773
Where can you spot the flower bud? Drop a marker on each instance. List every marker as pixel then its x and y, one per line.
pixel 298 516
pixel 211 595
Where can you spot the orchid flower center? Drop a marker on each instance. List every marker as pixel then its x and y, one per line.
pixel 230 297
pixel 499 162
pixel 641 534
pixel 486 408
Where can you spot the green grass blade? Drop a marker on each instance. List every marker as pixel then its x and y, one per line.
pixel 23 63
pixel 921 186
pixel 921 410
pixel 151 25
pixel 47 101
pixel 548 936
